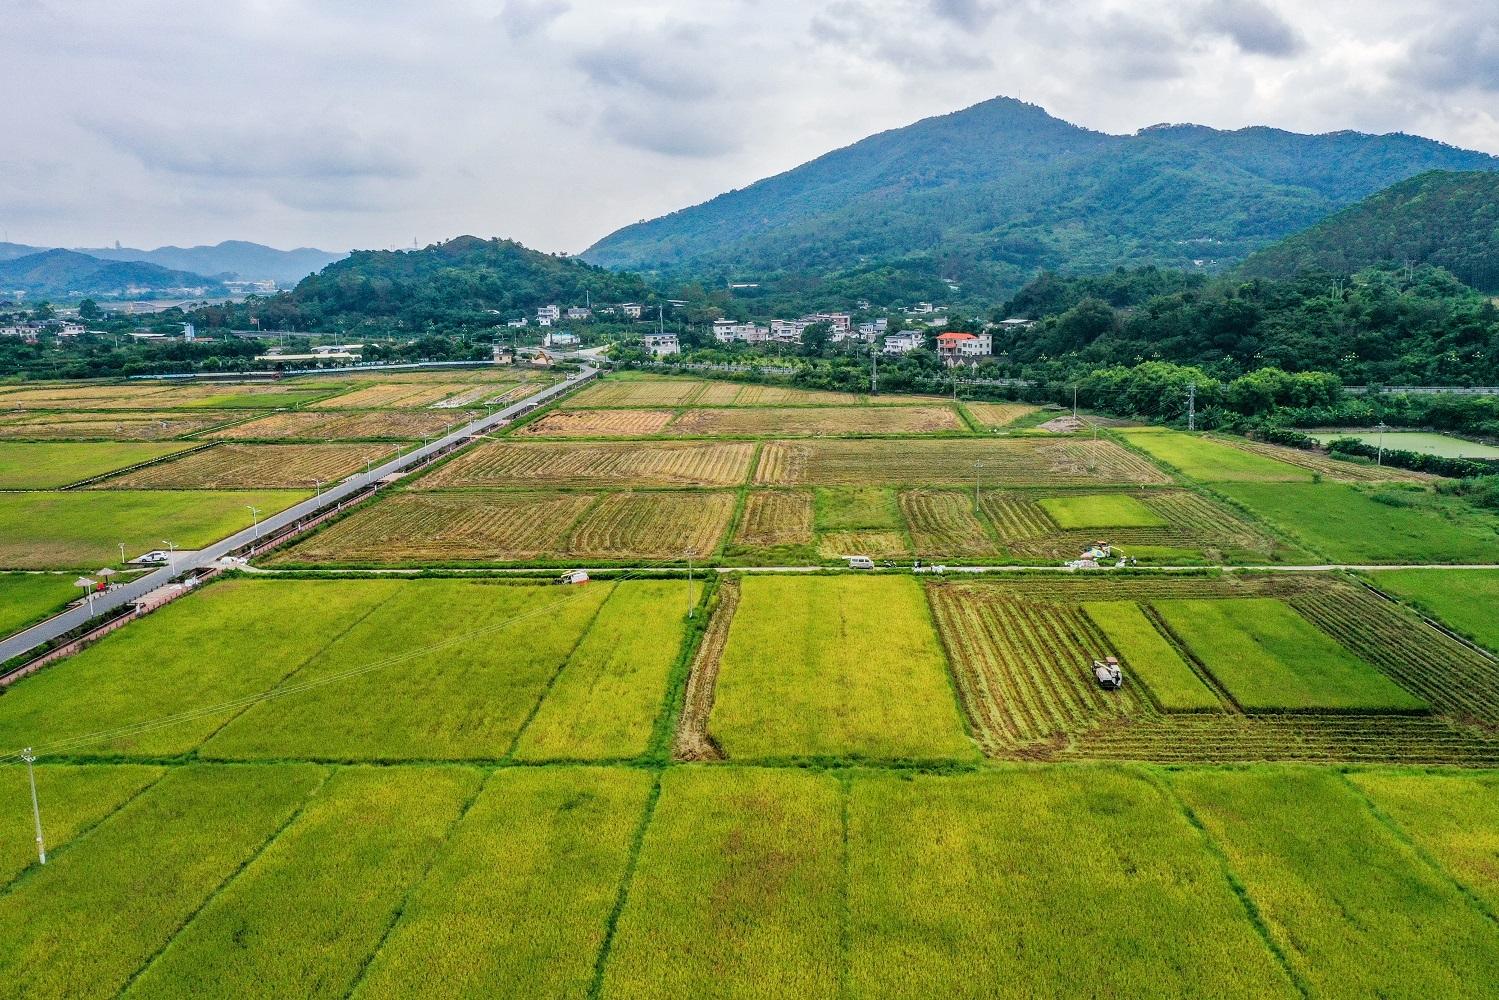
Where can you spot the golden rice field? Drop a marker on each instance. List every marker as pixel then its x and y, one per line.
pixel 435 527
pixel 404 395
pixel 877 543
pixel 126 425
pixel 816 421
pixel 598 423
pixel 253 466
pixel 653 526
pixel 775 517
pixel 666 463
pixel 309 425
pixel 1002 462
pixel 999 414
pixel 636 392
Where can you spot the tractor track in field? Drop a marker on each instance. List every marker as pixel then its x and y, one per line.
pixel 692 741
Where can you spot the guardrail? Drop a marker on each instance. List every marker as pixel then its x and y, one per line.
pixel 1425 390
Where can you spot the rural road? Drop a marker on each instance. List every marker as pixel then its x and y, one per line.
pixel 947 570
pixel 71 619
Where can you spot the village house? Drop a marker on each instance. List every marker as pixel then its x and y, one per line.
pixel 630 309
pixel 727 331
pixel 547 315
pixel 956 348
pixel 902 343
pixel 578 312
pixel 661 344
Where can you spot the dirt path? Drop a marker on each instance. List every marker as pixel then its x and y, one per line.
pixel 692 741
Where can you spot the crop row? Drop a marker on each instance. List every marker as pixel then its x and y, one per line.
pixel 321 425
pixel 599 423
pixel 653 525
pixel 595 464
pixel 943 523
pixel 775 517
pixel 1322 465
pixel 253 466
pixel 956 462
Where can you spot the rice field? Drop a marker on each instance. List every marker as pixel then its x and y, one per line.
pixel 775 518
pixel 29 597
pixel 1000 462
pixel 1149 656
pixel 619 391
pixel 383 425
pixel 945 524
pixel 434 527
pixel 599 423
pixel 404 395
pixel 121 426
pixel 996 415
pixel 666 525
pixel 1210 460
pixel 84 529
pixel 815 421
pixel 254 466
pixel 834 667
pixel 49 466
pixel 1461 599
pixel 1106 510
pixel 533 464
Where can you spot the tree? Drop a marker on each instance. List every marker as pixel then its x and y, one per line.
pixel 89 309
pixel 815 339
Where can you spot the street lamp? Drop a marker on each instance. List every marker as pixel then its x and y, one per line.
pixel 88 591
pixel 122 553
pixel 171 553
pixel 36 810
pixel 317 484
pixel 691 608
pixel 254 521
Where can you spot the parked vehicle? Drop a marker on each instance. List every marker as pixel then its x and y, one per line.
pixel 860 562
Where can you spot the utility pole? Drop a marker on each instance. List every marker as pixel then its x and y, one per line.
pixel 1381 428
pixel 88 592
pixel 874 369
pixel 36 810
pixel 1074 402
pixel 1192 407
pixel 976 467
pixel 691 608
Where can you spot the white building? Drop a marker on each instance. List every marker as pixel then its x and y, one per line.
pixel 560 338
pixel 74 329
pixel 727 331
pixel 787 331
pixel 630 309
pixel 18 330
pixel 902 343
pixel 1016 324
pixel 842 324
pixel 963 348
pixel 517 323
pixel 548 315
pixel 578 312
pixel 660 344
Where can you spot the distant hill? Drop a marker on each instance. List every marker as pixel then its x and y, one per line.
pixel 1450 220
pixel 990 195
pixel 464 278
pixel 65 274
pixel 231 258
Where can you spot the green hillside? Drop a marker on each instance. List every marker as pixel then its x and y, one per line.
pixel 1446 219
pixel 65 274
pixel 988 195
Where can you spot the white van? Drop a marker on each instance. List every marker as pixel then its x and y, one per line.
pixel 860 562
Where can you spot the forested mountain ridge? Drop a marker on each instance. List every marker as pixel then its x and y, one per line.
pixel 66 274
pixel 989 195
pixel 466 280
pixel 1447 219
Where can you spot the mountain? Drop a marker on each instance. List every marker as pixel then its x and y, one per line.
pixel 464 279
pixel 989 195
pixel 66 274
pixel 1449 220
pixel 235 259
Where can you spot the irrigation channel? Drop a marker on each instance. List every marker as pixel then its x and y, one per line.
pixel 186 563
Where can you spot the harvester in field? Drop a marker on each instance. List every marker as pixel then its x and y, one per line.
pixel 1108 673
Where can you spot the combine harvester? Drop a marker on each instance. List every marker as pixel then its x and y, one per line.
pixel 1108 673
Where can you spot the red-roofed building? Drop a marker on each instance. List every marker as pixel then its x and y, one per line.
pixel 956 348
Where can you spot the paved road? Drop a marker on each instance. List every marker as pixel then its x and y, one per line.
pixel 948 569
pixel 66 622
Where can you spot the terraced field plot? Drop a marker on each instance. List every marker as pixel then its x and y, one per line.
pixel 663 525
pixel 1351 524
pixel 599 423
pixel 445 528
pixel 1020 650
pixel 122 426
pixel 1004 461
pixel 1210 460
pixel 995 415
pixel 384 425
pixel 48 466
pixel 815 421
pixel 533 464
pixel 984 885
pixel 253 466
pixel 834 666
pixel 30 597
pixel 83 529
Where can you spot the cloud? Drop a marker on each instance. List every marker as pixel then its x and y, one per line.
pixel 1461 53
pixel 524 18
pixel 969 14
pixel 658 71
pixel 1252 26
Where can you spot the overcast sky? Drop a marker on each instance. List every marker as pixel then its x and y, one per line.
pixel 367 123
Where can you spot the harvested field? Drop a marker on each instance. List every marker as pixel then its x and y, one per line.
pixel 252 466
pixel 1016 517
pixel 506 463
pixel 598 423
pixel 943 525
pixel 855 508
pixel 405 394
pixel 1005 461
pixel 999 414
pixel 1214 460
pixel 434 527
pixel 78 396
pixel 835 666
pixel 1325 465
pixel 692 740
pixel 816 421
pixel 718 394
pixel 872 542
pixel 653 525
pixel 123 426
pixel 307 425
pixel 780 395
pixel 774 518
pixel 615 391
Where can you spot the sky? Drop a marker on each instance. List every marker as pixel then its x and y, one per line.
pixel 372 123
